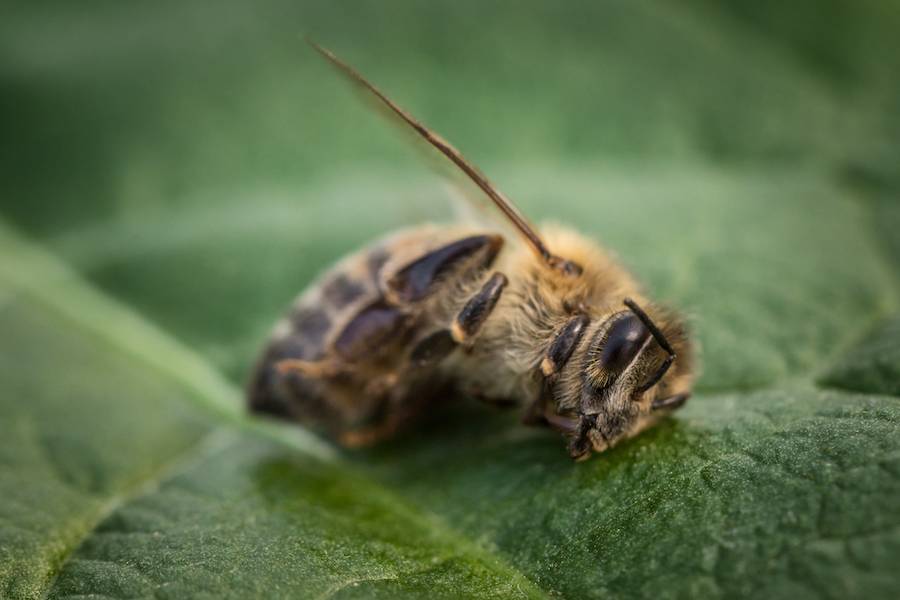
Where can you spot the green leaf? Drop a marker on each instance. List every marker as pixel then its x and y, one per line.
pixel 873 365
pixel 82 429
pixel 798 485
pixel 180 171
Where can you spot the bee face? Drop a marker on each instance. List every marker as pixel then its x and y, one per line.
pixel 629 372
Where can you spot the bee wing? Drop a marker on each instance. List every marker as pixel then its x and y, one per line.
pixel 471 172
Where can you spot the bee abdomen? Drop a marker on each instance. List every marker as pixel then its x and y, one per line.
pixel 271 392
pixel 374 326
pixel 305 334
pixel 353 328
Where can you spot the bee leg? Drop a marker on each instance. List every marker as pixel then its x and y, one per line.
pixel 563 345
pixel 535 412
pixel 371 331
pixel 435 347
pixel 581 430
pixel 379 386
pixel 432 349
pixel 556 357
pixel 398 408
pixel 670 403
pixel 476 311
pixel 317 369
pixel 368 436
pixel 417 280
pixel 566 425
pixel 541 412
pixel 499 402
pixel 290 388
pixel 385 430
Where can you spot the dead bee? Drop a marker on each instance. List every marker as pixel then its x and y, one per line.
pixel 552 320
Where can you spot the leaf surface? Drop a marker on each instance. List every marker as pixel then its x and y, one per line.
pixel 179 172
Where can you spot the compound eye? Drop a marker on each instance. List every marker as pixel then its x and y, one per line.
pixel 623 342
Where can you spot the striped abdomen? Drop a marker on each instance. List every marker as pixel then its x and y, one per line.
pixel 349 337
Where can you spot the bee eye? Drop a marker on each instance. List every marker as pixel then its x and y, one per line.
pixel 623 342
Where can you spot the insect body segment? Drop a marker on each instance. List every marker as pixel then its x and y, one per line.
pixel 472 316
pixel 347 367
pixel 551 322
pixel 416 280
pixel 563 345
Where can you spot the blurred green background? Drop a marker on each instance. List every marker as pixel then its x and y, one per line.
pixel 173 173
pixel 199 162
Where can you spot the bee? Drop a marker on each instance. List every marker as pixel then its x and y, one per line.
pixel 546 320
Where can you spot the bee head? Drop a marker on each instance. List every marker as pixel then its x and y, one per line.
pixel 636 369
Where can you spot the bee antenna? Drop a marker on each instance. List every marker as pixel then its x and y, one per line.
pixel 660 339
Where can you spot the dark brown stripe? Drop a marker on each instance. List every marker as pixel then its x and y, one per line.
pixel 476 310
pixel 341 291
pixel 415 281
pixel 311 323
pixel 565 342
pixel 375 263
pixel 432 349
pixel 369 330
